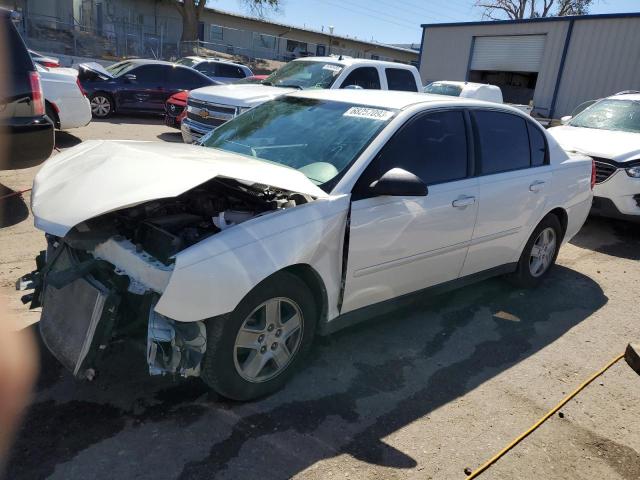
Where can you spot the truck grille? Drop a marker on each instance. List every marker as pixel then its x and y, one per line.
pixel 209 113
pixel 603 170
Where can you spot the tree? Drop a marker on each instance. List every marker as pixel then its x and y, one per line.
pixel 519 9
pixel 191 10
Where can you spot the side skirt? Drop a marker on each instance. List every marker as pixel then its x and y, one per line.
pixel 357 316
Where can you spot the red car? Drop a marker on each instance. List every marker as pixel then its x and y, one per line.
pixel 176 109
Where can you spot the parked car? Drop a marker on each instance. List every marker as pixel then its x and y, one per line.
pixel 136 86
pixel 609 131
pixel 26 134
pixel 304 215
pixel 209 108
pixel 477 91
pixel 66 103
pixel 45 61
pixel 175 109
pixel 223 71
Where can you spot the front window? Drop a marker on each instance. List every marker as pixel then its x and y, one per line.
pixel 120 68
pixel 622 115
pixel 320 138
pixel 303 74
pixel 439 88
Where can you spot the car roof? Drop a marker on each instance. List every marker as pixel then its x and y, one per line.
pixel 347 61
pixel 395 99
pixel 626 96
pixel 213 60
pixel 146 61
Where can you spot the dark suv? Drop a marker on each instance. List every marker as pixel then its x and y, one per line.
pixel 26 134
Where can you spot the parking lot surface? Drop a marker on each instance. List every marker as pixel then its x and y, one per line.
pixel 436 387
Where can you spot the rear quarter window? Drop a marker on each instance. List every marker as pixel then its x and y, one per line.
pixel 401 79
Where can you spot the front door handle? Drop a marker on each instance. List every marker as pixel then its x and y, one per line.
pixel 536 186
pixel 463 201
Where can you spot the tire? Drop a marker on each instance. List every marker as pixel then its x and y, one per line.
pixel 259 367
pixel 101 105
pixel 51 113
pixel 531 268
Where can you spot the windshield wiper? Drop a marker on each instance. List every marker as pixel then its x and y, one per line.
pixel 284 85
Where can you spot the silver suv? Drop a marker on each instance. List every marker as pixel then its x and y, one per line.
pixel 217 69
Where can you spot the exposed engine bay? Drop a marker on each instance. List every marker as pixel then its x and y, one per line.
pixel 113 268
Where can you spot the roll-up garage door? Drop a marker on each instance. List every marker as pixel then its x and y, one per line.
pixel 508 53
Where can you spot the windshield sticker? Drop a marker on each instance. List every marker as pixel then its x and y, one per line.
pixel 332 68
pixel 371 113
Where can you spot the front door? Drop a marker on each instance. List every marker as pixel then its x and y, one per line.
pixel 398 245
pixel 140 93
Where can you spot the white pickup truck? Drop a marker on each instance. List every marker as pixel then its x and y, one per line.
pixel 210 107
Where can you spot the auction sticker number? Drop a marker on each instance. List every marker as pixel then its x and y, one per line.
pixel 371 113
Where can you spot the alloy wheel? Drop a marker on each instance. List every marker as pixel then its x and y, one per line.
pixel 268 340
pixel 542 252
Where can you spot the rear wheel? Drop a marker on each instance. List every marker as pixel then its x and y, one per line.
pixel 101 105
pixel 539 253
pixel 256 349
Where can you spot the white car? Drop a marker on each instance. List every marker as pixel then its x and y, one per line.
pixel 210 107
pixel 609 132
pixel 476 91
pixel 65 101
pixel 217 69
pixel 304 215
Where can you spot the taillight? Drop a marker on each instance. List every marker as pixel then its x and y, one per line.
pixel 36 93
pixel 80 86
pixel 50 64
pixel 593 173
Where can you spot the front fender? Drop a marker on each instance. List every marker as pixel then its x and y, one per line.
pixel 212 277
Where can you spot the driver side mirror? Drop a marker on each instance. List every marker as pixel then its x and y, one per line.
pixel 399 183
pixel 130 77
pixel 566 119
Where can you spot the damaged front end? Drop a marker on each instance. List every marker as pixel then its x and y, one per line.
pixel 99 284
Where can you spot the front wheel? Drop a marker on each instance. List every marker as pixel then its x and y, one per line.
pixel 539 253
pixel 101 105
pixel 254 351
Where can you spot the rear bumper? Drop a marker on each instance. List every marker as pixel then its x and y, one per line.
pixel 29 142
pixel 74 112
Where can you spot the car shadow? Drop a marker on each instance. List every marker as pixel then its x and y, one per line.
pixel 174 137
pixel 13 208
pixel 611 237
pixel 135 119
pixel 359 386
pixel 65 139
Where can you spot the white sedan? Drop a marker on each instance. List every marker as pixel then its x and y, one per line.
pixel 301 216
pixel 65 101
pixel 609 131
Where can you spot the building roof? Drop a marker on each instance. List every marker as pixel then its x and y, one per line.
pixel 535 20
pixel 294 27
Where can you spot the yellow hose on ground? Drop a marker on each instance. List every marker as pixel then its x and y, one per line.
pixel 522 436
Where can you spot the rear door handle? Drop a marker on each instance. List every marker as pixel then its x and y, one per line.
pixel 536 186
pixel 463 201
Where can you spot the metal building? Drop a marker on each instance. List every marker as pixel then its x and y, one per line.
pixel 556 62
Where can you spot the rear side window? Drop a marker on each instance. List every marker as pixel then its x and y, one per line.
pixel 229 71
pixel 503 142
pixel 185 78
pixel 400 79
pixel 432 146
pixel 365 77
pixel 538 146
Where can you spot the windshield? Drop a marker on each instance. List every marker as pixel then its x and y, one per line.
pixel 622 115
pixel 318 137
pixel 443 89
pixel 120 68
pixel 304 74
pixel 189 62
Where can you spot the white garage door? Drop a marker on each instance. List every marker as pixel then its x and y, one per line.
pixel 508 53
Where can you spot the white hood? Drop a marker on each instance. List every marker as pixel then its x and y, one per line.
pixel 614 145
pixel 242 95
pixel 98 176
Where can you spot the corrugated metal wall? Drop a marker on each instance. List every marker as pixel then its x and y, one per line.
pixel 603 58
pixel 446 50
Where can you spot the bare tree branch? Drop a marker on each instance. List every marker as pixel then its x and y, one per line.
pixel 518 9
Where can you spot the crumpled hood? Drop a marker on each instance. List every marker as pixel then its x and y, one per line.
pixel 96 68
pixel 243 95
pixel 618 146
pixel 99 176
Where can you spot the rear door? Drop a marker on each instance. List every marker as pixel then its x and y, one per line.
pixel 514 175
pixel 398 245
pixel 142 92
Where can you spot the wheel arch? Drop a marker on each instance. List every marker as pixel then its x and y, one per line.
pixel 562 217
pixel 314 282
pixel 54 109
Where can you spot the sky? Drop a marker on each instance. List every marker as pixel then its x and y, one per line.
pixel 387 21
